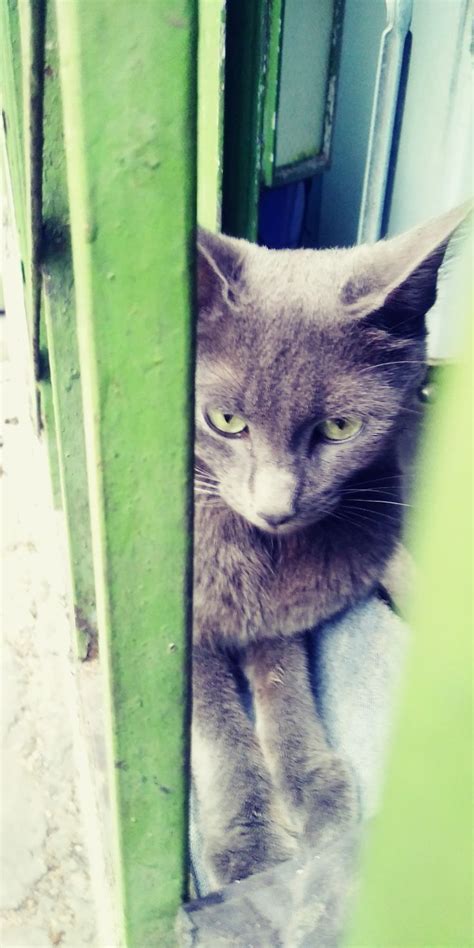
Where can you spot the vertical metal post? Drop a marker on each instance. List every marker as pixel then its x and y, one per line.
pixel 128 87
pixel 32 20
pixel 210 111
pixel 417 879
pixel 59 323
pixel 246 31
pixel 12 108
pixel 387 85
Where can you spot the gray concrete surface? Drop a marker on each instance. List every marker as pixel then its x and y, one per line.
pixel 45 895
pixel 56 875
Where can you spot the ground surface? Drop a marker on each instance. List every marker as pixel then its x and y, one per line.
pixel 46 892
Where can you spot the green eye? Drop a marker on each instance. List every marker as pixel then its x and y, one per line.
pixel 226 423
pixel 340 429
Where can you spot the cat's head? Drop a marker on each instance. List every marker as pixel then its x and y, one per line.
pixel 307 364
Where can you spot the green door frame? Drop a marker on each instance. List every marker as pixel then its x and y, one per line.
pixel 105 206
pixel 131 184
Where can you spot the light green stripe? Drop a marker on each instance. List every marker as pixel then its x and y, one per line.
pixel 128 83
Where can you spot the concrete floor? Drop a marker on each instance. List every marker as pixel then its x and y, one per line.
pixel 46 894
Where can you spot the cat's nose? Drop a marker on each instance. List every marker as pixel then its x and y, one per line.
pixel 275 521
pixel 274 490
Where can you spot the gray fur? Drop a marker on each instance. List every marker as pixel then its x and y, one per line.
pixel 287 339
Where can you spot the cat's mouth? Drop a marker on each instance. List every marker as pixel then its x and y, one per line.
pixel 283 521
pixel 301 520
pixel 292 524
pixel 288 526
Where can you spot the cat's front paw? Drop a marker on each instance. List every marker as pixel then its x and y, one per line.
pixel 247 849
pixel 330 801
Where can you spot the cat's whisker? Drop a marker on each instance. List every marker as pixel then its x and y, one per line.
pixel 204 477
pixel 380 365
pixel 200 472
pixel 412 411
pixel 376 515
pixel 386 479
pixel 360 521
pixel 214 504
pixel 362 503
pixel 373 517
pixel 367 500
pixel 202 497
pixel 367 490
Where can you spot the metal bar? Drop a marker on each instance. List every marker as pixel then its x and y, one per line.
pixel 284 82
pixel 44 394
pixel 417 873
pixel 247 24
pixel 129 96
pixel 210 112
pixel 12 108
pixel 32 19
pixel 272 88
pixel 59 312
pixel 384 109
pixel 15 85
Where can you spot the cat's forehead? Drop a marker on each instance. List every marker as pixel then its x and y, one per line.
pixel 297 283
pixel 286 338
pixel 286 315
pixel 287 382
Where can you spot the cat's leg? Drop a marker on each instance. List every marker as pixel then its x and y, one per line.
pixel 316 787
pixel 237 814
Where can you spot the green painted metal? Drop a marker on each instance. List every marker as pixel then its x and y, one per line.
pixel 12 109
pixel 48 416
pixel 210 112
pixel 272 89
pixel 246 44
pixel 304 46
pixel 31 19
pixel 59 312
pixel 264 74
pixel 129 88
pixel 417 881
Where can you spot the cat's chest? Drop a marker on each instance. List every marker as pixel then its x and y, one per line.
pixel 247 587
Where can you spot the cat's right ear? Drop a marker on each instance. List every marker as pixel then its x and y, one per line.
pixel 218 269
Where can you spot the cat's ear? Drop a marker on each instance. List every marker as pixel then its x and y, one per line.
pixel 219 262
pixel 396 279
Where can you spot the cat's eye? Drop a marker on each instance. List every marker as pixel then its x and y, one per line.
pixel 226 423
pixel 340 429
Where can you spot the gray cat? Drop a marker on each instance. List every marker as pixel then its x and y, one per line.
pixel 307 365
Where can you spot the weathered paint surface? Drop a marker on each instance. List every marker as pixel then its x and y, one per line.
pixel 244 91
pixel 16 91
pixel 32 19
pixel 272 88
pixel 300 91
pixel 59 312
pixel 210 112
pixel 12 106
pixel 45 396
pixel 128 85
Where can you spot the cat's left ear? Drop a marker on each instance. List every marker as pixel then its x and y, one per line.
pixel 397 278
